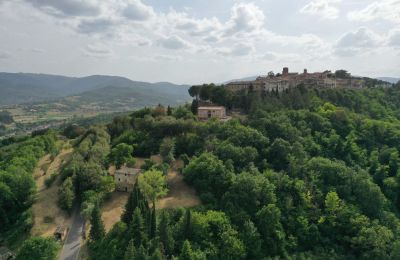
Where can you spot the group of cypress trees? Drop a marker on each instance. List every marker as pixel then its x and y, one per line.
pixel 145 240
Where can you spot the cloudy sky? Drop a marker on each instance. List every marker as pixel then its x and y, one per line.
pixel 196 41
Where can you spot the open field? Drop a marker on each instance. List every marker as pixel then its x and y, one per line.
pixel 47 214
pixel 180 194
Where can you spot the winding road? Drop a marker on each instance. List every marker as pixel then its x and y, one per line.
pixel 72 243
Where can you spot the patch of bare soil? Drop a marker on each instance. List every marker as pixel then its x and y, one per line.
pixel 180 194
pixel 112 208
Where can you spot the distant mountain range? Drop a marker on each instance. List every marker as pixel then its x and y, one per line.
pixel 389 79
pixel 17 88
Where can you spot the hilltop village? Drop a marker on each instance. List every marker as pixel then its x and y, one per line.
pixel 215 101
pixel 285 80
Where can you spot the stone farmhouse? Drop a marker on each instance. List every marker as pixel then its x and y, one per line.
pixel 207 112
pixel 286 80
pixel 125 178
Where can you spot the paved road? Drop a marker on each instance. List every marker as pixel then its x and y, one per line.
pixel 72 243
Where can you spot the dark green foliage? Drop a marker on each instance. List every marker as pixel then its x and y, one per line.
pixel 131 205
pixel 153 223
pixel 137 229
pixel 121 154
pixel 306 174
pixel 38 248
pixel 6 117
pixel 73 131
pixel 97 231
pixel 165 234
pixel 130 252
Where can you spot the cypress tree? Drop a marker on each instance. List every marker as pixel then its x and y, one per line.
pixel 141 253
pixel 186 253
pixel 130 252
pixel 137 229
pixel 156 255
pixel 97 230
pixel 169 111
pixel 130 205
pixel 165 234
pixel 187 229
pixel 153 223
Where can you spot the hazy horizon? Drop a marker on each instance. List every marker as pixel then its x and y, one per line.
pixel 192 42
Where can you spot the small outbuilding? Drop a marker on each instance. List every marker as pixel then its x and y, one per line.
pixel 60 233
pixel 208 112
pixel 125 178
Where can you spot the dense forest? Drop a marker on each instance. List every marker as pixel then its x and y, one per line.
pixel 303 174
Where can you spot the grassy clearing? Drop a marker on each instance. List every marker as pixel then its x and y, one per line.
pixel 47 214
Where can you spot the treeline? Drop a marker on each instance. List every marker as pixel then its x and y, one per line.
pixel 376 103
pixel 84 177
pixel 310 173
pixel 17 186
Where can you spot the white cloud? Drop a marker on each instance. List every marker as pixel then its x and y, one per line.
pixel 137 11
pixel 362 40
pixel 323 8
pixel 239 49
pixel 95 25
pixel 173 42
pixel 383 9
pixel 68 7
pixel 97 51
pixel 245 18
pixel 166 57
pixel 394 38
pixel 4 55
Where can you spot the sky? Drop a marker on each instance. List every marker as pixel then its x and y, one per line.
pixel 199 41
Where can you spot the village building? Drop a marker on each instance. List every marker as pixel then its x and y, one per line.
pixel 125 178
pixel 287 80
pixel 208 112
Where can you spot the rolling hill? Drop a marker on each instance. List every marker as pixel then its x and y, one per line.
pixel 17 88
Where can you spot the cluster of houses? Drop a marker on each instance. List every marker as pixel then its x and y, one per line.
pixel 286 80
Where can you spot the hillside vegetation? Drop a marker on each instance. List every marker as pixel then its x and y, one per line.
pixel 308 174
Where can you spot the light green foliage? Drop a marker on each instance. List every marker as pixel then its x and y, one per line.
pixel 66 194
pixel 153 184
pixel 38 248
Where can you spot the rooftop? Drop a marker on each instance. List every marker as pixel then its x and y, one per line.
pixel 127 170
pixel 210 107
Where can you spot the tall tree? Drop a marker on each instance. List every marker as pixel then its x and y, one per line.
pixel 271 229
pixel 167 150
pixel 165 233
pixel 186 253
pixel 153 223
pixel 187 232
pixel 97 230
pixel 130 252
pixel 137 229
pixel 131 205
pixel 153 184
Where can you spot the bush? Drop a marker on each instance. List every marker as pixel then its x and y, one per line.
pixel 49 181
pixel 131 162
pixel 48 219
pixel 148 163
